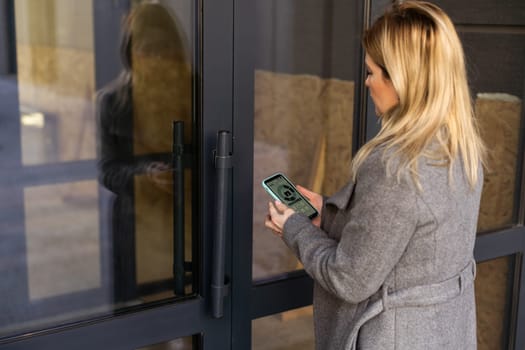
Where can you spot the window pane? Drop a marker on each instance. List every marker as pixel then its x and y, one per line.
pixel 69 256
pixel 493 300
pixel 89 178
pixel 498 94
pixel 54 38
pixel 499 116
pixel 291 330
pixel 306 69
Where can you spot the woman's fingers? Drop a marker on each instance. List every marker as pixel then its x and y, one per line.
pixel 278 214
pixel 315 198
pixel 311 196
pixel 280 206
pixel 282 211
pixel 305 192
pixel 269 223
pixel 273 211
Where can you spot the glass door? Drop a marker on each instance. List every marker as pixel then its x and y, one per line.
pixel 111 174
pixel 300 67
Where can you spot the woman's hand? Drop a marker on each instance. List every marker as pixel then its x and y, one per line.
pixel 316 200
pixel 161 174
pixel 277 216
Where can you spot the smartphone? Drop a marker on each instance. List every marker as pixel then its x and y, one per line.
pixel 282 189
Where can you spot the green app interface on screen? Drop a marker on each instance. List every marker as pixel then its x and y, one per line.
pixel 289 195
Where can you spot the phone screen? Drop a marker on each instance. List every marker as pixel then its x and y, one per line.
pixel 283 190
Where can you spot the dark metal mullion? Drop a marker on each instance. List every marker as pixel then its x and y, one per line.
pixel 520 205
pixel 279 296
pixel 178 207
pixel 6 37
pixel 520 313
pixel 196 155
pixel 490 28
pixel 520 171
pixel 56 305
pixel 216 114
pixel 328 39
pixel 493 245
pixel 11 37
pixel 243 120
pixel 127 331
pixel 361 115
pixel 372 123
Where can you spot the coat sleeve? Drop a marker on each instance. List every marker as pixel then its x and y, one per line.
pixel 381 221
pixel 117 166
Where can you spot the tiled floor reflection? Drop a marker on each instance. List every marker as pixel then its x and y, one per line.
pixel 62 235
pixel 292 330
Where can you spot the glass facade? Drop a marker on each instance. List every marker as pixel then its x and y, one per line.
pixel 99 110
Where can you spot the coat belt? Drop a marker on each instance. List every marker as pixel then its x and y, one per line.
pixel 424 295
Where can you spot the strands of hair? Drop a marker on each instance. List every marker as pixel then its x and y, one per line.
pixel 416 44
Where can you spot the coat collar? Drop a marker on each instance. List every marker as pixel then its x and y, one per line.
pixel 341 198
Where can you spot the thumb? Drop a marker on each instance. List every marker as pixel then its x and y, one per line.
pixel 280 206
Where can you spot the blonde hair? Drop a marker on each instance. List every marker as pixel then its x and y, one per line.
pixel 418 49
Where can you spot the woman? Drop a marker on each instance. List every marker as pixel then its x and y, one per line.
pixel 392 255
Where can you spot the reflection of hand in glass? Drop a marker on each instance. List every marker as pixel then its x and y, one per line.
pixel 161 174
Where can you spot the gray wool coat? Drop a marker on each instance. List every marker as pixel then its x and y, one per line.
pixel 393 266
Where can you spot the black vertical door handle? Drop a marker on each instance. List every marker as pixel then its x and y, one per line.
pixel 178 207
pixel 223 166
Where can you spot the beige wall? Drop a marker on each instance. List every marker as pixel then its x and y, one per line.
pixel 62 23
pixel 56 70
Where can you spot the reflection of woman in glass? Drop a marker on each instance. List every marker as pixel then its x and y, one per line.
pixel 135 115
pixel 392 255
